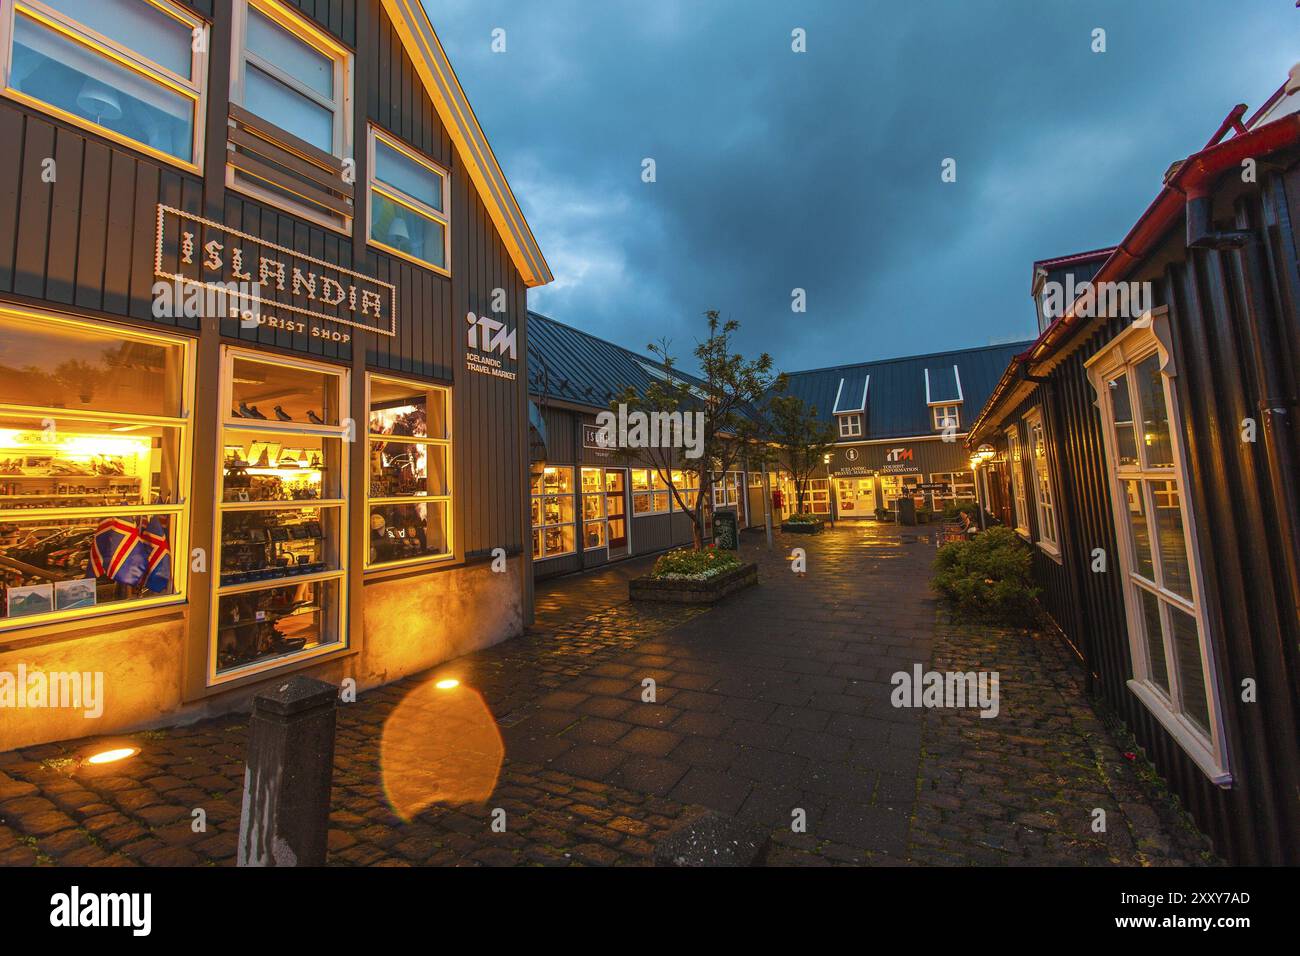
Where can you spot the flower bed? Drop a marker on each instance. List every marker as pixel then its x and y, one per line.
pixel 803 524
pixel 687 576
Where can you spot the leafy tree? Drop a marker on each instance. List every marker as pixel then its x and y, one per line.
pixel 799 439
pixel 727 393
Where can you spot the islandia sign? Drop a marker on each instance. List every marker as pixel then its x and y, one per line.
pixel 303 291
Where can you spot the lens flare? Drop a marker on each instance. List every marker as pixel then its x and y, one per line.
pixel 439 747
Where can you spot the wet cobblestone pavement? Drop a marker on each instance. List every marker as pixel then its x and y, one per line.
pixel 772 706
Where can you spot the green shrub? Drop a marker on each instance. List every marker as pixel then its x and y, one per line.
pixel 690 563
pixel 988 577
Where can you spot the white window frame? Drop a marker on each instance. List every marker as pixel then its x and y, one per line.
pixel 850 426
pixel 311 34
pixel 443 442
pixel 1150 335
pixel 193 87
pixel 574 494
pixel 941 415
pixel 954 495
pixel 651 492
pixel 401 198
pixel 1019 497
pixel 1049 539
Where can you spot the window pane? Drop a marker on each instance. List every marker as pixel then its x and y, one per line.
pixel 276 622
pixel 264 545
pixel 1191 678
pixel 557 509
pixel 140 27
pixel 1170 539
pixel 406 230
pixel 558 540
pixel 65 563
pixel 268 467
pixel 595 535
pixel 1154 639
pixel 402 532
pixel 1155 418
pixel 86 464
pixel 398 409
pixel 400 171
pixel 398 469
pixel 285 393
pixel 642 504
pixel 1122 406
pixel 1139 531
pixel 593 506
pixel 303 62
pixel 62 367
pixel 288 109
pixel 557 481
pixel 73 78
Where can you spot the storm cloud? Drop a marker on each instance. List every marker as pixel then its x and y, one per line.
pixel 779 170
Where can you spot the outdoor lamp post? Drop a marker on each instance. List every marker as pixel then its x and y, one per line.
pixel 830 498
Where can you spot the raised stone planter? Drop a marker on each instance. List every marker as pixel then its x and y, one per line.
pixel 683 591
pixel 801 528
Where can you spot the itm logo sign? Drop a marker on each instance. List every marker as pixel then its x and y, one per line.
pixel 491 334
pixel 487 336
pixel 899 454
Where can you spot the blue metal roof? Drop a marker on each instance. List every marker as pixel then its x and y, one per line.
pixel 567 364
pixel 896 400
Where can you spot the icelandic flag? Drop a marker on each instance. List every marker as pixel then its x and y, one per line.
pixel 117 552
pixel 158 568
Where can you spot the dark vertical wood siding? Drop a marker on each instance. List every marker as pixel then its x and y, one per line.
pixel 1250 598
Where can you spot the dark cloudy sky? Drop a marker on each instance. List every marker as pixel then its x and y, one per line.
pixel 821 170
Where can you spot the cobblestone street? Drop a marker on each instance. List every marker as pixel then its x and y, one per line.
pixel 775 701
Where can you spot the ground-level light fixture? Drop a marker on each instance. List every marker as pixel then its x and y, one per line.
pixel 112 755
pixel 447 683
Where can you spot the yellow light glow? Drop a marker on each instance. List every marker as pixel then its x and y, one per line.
pixel 114 755
pixel 447 683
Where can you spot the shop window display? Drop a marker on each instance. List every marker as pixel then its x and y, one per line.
pixel 553 512
pixel 281 512
pixel 93 438
pixel 409 483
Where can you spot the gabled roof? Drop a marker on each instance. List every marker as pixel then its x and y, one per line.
pixel 896 399
pixel 412 24
pixel 567 364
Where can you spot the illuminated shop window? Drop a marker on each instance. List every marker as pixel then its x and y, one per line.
pixel 94 477
pixel 410 468
pixel 650 494
pixel 408 203
pixel 593 509
pixel 1019 500
pixel 129 70
pixel 552 512
pixel 961 488
pixel 1044 503
pixel 1173 665
pixel 282 521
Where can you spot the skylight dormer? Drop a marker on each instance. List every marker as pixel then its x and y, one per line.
pixel 944 396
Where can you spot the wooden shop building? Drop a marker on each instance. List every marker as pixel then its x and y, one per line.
pixel 900 426
pixel 1148 452
pixel 262 337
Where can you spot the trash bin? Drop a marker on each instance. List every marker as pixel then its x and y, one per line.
pixel 906 510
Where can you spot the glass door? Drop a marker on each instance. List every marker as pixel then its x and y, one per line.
pixel 856 497
pixel 616 511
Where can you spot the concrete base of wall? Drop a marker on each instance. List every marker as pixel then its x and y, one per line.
pixel 412 623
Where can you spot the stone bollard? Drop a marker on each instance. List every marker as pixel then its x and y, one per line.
pixel 286 810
